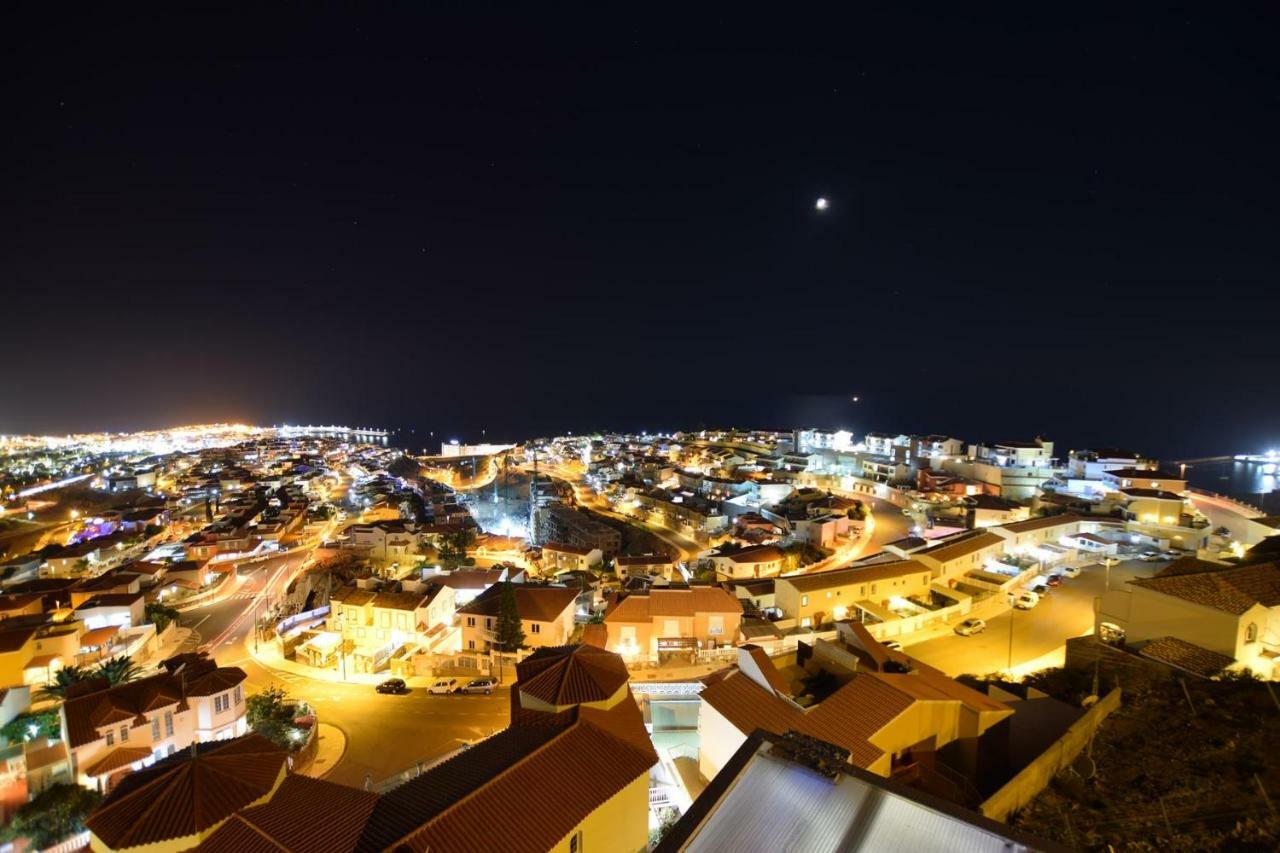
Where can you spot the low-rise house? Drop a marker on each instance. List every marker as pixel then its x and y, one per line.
pixel 645 566
pixel 375 625
pixel 469 583
pixel 122 609
pixel 650 625
pixel 1232 612
pixel 763 561
pixel 546 616
pixel 570 773
pixel 1119 479
pixel 823 597
pixel 990 510
pixel 111 731
pixel 889 712
pixel 952 558
pixel 561 556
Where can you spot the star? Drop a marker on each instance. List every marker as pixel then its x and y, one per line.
pixel 820 204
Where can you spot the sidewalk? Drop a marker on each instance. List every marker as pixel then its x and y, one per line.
pixel 331 745
pixel 268 656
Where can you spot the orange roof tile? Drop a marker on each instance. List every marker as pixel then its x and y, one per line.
pixel 568 675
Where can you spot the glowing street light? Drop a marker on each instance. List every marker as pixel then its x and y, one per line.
pixel 821 204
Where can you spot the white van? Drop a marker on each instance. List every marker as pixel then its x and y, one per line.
pixel 1025 599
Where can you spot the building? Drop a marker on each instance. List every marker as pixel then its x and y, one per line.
pixel 122 610
pixel 824 597
pixel 648 565
pixel 570 774
pixel 1143 478
pixel 890 713
pixel 952 558
pixel 1232 613
pixel 184 798
pixel 376 625
pixel 111 731
pixel 990 510
pixel 559 523
pixel 762 561
pixel 795 792
pixel 546 615
pixel 663 622
pixel 561 556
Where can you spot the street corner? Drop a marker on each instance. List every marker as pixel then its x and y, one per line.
pixel 327 749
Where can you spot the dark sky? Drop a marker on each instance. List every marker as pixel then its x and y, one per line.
pixel 1051 220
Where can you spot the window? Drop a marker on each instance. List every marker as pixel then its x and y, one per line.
pixel 715 625
pixel 386 619
pixel 239 694
pixel 168 724
pixel 804 601
pixel 221 702
pixel 124 733
pixel 1251 633
pixel 111 739
pixel 488 623
pixel 873 589
pixel 575 842
pixel 471 644
pixel 155 728
pixel 471 621
pixel 535 628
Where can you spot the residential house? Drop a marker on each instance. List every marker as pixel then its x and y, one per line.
pixel 952 558
pixel 469 583
pixel 762 561
pixel 376 625
pixel 1232 612
pixel 546 615
pixel 111 731
pixel 660 622
pixel 645 566
pixel 570 774
pixel 823 597
pixel 890 713
pixel 1120 479
pixel 561 556
pixel 122 609
pixel 990 510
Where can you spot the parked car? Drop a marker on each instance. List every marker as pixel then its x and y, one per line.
pixel 892 645
pixel 1071 572
pixel 1149 556
pixel 393 685
pixel 1025 600
pixel 1039 585
pixel 479 685
pixel 1169 555
pixel 444 685
pixel 1054 579
pixel 969 627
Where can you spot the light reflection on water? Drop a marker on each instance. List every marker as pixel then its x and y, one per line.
pixel 1245 480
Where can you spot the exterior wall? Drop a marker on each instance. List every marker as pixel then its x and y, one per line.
pixel 718 740
pixel 620 823
pixel 1024 787
pixel 1153 615
pixel 737 571
pixel 480 636
pixel 957 566
pixel 821 603
pixel 215 725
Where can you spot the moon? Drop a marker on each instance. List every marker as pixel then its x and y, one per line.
pixel 821 204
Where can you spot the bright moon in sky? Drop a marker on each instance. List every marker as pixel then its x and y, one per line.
pixel 821 204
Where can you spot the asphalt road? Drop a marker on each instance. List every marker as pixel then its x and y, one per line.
pixel 1067 611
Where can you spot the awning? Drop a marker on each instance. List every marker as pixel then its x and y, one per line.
pixel 99 637
pixel 117 758
pixel 40 661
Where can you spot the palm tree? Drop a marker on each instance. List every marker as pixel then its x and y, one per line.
pixel 62 679
pixel 118 670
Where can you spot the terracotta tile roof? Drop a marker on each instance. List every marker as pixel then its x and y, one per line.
pixel 98 636
pixel 843 577
pixel 185 794
pixel 304 815
pixel 353 596
pixel 121 756
pixel 88 712
pixel 471 579
pixel 595 634
pixel 11 641
pixel 539 603
pixel 1232 590
pixel 963 547
pixel 1151 493
pixel 759 554
pixel 568 675
pixel 770 672
pixel 215 681
pixel 521 790
pixel 1188 656
pixel 1189 566
pixel 46 755
pixel 399 600
pixel 641 607
pixel 1032 524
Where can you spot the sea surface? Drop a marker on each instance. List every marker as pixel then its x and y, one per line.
pixel 1252 482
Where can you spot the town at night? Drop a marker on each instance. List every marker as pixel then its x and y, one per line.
pixel 519 429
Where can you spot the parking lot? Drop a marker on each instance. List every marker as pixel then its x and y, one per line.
pixel 1038 634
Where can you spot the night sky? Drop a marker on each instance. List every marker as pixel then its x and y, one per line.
pixel 1062 224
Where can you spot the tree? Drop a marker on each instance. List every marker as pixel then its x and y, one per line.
pixel 272 715
pixel 62 679
pixel 160 615
pixel 56 813
pixel 152 530
pixel 28 726
pixel 118 670
pixel 509 631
